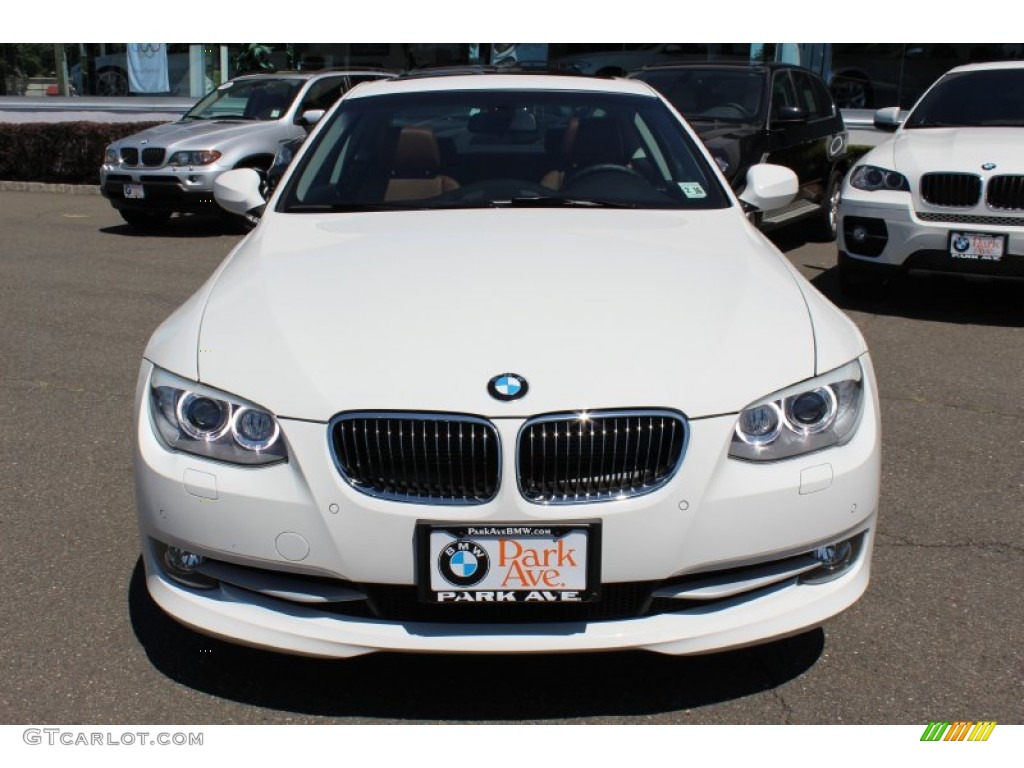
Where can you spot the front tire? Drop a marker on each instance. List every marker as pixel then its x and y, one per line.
pixel 827 227
pixel 145 219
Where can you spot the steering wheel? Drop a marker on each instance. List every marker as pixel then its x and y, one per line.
pixel 737 110
pixel 498 189
pixel 611 169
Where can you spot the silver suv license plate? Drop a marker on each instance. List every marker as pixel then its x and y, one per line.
pixel 508 562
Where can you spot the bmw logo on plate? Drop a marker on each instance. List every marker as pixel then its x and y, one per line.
pixel 507 386
pixel 463 563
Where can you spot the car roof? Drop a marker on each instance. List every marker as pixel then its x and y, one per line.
pixel 755 66
pixel 311 74
pixel 988 65
pixel 502 82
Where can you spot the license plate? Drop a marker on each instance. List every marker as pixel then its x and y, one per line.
pixel 134 191
pixel 508 563
pixel 976 246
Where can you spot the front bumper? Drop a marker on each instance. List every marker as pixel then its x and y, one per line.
pixel 184 189
pixel 882 232
pixel 301 518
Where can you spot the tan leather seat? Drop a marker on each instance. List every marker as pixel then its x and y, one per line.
pixel 416 167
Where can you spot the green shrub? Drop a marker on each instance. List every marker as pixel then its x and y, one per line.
pixel 58 153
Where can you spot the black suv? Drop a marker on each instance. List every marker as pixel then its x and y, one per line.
pixel 774 113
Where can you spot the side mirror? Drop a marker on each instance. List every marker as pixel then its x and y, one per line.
pixel 238 191
pixel 887 119
pixel 789 116
pixel 312 116
pixel 769 187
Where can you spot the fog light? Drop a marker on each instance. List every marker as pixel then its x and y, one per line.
pixel 834 556
pixel 859 233
pixel 181 565
pixel 834 560
pixel 182 560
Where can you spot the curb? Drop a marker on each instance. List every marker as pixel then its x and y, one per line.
pixel 37 186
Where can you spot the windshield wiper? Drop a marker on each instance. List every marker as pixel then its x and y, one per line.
pixel 560 202
pixel 353 207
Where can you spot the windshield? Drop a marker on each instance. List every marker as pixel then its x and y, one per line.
pixel 263 99
pixel 479 148
pixel 722 95
pixel 971 99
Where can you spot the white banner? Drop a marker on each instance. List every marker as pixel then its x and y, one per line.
pixel 147 68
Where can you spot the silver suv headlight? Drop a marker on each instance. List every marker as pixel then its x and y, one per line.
pixel 197 419
pixel 806 417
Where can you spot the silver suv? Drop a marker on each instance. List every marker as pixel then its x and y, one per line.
pixel 170 168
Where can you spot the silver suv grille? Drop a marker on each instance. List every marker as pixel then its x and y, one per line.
pixel 574 458
pixel 153 156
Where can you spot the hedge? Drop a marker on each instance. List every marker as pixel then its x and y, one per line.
pixel 58 153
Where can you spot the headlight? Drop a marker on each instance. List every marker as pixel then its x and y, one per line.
pixel 197 419
pixel 111 156
pixel 194 157
pixel 871 178
pixel 806 417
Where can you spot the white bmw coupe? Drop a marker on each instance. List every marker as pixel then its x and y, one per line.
pixel 504 368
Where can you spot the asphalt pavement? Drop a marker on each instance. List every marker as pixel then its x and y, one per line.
pixel 937 636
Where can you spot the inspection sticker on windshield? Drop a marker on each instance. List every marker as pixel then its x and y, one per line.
pixel 692 189
pixel 508 563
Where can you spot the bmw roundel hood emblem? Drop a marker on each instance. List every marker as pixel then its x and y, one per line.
pixel 988 166
pixel 507 386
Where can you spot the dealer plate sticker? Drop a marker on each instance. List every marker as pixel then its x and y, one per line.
pixel 508 563
pixel 134 191
pixel 976 246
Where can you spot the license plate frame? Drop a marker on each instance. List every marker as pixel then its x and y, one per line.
pixel 976 246
pixel 555 563
pixel 134 192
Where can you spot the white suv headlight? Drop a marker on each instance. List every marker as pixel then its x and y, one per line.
pixel 871 178
pixel 806 417
pixel 198 419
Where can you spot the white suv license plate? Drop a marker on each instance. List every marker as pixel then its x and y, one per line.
pixel 976 246
pixel 509 563
pixel 134 192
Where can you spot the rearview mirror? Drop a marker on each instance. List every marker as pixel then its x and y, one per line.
pixel 311 116
pixel 769 187
pixel 887 119
pixel 238 191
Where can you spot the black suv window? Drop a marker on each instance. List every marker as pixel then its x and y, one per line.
pixel 783 92
pixel 810 98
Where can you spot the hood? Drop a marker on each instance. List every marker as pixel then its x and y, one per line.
pixel 318 314
pixel 919 150
pixel 211 132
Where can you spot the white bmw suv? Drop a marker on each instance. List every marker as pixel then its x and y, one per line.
pixel 504 368
pixel 946 192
